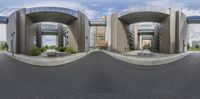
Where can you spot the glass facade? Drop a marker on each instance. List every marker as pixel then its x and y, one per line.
pixel 49 27
pixel 3 19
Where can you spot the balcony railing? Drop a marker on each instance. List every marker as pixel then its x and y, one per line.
pixel 51 9
pixel 148 9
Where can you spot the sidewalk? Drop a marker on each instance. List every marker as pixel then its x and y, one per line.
pixel 47 61
pixel 148 61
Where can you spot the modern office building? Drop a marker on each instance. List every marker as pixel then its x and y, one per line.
pixel 195 43
pixel 97 33
pixel 142 34
pixel 3 21
pixel 24 24
pixel 58 31
pixel 173 31
pixel 118 32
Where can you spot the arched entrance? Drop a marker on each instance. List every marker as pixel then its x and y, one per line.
pixel 172 28
pixel 23 23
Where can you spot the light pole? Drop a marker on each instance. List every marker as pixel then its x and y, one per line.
pixel 12 46
pixel 86 38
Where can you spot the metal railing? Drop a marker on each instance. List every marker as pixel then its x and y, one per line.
pixel 133 10
pixel 51 9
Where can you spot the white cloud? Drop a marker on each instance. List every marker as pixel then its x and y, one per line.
pixel 66 4
pixel 95 5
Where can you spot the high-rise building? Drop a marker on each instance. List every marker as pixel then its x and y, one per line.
pixel 97 33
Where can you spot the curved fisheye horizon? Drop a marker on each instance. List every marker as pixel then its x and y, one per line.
pixel 99 49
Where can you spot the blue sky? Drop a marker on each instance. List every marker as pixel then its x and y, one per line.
pixel 96 8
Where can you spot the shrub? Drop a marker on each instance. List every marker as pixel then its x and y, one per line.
pixel 35 51
pixel 4 46
pixel 70 50
pixel 51 47
pixel 43 49
pixel 188 46
pixel 46 46
pixel 61 49
pixel 197 46
pixel 147 46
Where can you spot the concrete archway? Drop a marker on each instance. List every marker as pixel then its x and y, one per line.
pixel 22 22
pixel 174 34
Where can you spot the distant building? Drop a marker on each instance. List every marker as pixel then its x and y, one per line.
pixel 2 32
pixel 97 33
pixel 194 43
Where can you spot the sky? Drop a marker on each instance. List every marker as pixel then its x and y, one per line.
pixel 96 8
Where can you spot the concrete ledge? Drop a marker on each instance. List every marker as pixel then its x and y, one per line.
pixel 148 61
pixel 47 61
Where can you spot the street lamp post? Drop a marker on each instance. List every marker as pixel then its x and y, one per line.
pixel 12 46
pixel 86 38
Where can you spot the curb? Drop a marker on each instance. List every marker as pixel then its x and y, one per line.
pixel 48 62
pixel 148 61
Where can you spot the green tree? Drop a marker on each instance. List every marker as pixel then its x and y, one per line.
pixel 197 46
pixel 4 46
pixel 188 46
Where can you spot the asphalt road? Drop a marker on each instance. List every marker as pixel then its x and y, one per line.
pixel 99 76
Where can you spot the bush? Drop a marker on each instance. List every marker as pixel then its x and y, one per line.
pixel 188 46
pixel 147 46
pixel 46 46
pixel 4 46
pixel 35 51
pixel 51 47
pixel 61 49
pixel 197 46
pixel 70 50
pixel 43 49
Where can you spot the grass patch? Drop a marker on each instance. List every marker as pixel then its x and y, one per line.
pixel 194 49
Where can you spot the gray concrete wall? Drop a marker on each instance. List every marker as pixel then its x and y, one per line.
pixel 39 34
pixel 181 32
pixel 11 27
pixel 155 36
pixel 119 42
pixel 165 36
pixel 172 32
pixel 122 42
pixel 60 35
pixel 73 35
pixel 114 33
pixel 30 30
pixel 25 29
pixel 79 29
pixel 87 34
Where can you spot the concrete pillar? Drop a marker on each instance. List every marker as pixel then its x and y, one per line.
pixel 136 36
pixel 24 30
pixel 39 35
pixel 78 31
pixel 140 42
pixel 167 34
pixel 60 35
pixel 30 30
pixel 119 34
pixel 181 32
pixel 155 37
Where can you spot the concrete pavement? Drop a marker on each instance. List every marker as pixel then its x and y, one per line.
pixel 99 76
pixel 158 59
pixel 47 61
pixel 148 61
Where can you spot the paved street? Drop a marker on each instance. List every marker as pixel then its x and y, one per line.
pixel 99 76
